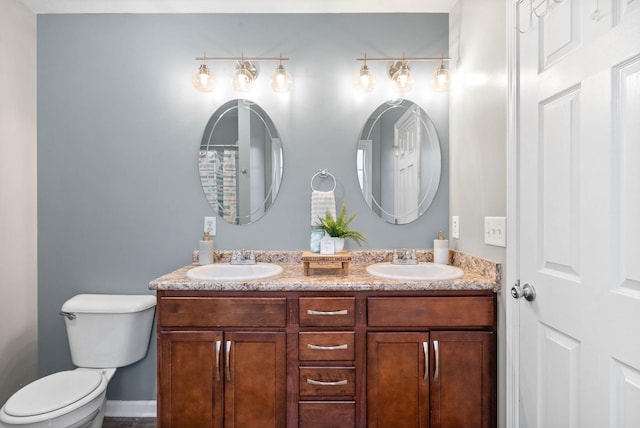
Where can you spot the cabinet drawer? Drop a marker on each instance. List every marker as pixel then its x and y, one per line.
pixel 222 312
pixel 327 381
pixel 323 414
pixel 430 311
pixel 327 312
pixel 333 346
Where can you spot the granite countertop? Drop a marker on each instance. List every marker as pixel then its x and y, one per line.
pixel 480 274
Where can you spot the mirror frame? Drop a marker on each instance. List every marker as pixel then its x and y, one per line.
pixel 242 169
pixel 429 162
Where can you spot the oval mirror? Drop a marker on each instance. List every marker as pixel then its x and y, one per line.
pixel 240 162
pixel 398 161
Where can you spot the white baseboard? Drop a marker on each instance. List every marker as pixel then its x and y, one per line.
pixel 130 409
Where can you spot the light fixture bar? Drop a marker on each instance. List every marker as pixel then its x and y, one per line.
pixel 405 58
pixel 241 58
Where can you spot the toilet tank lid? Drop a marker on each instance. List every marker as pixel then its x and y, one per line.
pixel 109 303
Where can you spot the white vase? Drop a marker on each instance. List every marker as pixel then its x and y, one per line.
pixel 338 244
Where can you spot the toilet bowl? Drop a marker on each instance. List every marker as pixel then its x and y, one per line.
pixel 72 398
pixel 105 332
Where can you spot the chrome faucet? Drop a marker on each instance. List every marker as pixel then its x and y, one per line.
pixel 408 257
pixel 243 257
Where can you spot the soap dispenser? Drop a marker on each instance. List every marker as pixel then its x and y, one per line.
pixel 441 250
pixel 206 250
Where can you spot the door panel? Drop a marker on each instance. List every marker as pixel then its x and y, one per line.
pixel 191 393
pixel 397 380
pixel 255 388
pixel 579 205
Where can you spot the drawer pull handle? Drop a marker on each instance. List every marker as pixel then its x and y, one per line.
pixel 327 348
pixel 425 349
pixel 321 383
pixel 218 345
pixel 227 356
pixel 436 350
pixel 340 312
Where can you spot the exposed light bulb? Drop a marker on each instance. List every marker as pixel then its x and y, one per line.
pixel 243 77
pixel 364 80
pixel 203 79
pixel 441 79
pixel 402 80
pixel 280 80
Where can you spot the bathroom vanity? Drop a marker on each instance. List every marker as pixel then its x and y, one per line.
pixel 327 350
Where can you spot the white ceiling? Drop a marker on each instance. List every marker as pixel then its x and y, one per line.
pixel 238 6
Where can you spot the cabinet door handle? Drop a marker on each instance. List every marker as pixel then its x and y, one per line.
pixel 322 383
pixel 436 350
pixel 314 312
pixel 218 345
pixel 227 359
pixel 327 348
pixel 425 349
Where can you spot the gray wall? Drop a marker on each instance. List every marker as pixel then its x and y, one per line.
pixel 119 127
pixel 479 138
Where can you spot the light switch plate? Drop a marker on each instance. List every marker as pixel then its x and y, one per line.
pixel 495 231
pixel 210 225
pixel 455 227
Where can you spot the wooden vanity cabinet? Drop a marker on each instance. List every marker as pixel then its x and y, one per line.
pixel 221 370
pixel 327 359
pixel 436 377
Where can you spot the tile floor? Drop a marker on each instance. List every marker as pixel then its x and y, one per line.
pixel 129 423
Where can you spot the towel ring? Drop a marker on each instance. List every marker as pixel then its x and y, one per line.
pixel 323 173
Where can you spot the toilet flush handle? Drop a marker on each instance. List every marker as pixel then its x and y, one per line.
pixel 68 315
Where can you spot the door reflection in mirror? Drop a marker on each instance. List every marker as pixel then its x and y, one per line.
pixel 398 161
pixel 240 162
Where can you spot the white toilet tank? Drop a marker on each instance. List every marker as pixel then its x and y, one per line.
pixel 108 330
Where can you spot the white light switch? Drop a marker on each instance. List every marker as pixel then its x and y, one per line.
pixel 455 227
pixel 495 231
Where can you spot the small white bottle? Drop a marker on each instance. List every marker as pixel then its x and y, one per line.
pixel 441 250
pixel 206 250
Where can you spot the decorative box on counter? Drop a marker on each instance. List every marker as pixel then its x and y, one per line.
pixel 342 258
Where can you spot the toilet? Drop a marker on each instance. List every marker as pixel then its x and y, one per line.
pixel 105 332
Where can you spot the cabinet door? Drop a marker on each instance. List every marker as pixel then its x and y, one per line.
pixel 255 380
pixel 189 394
pixel 462 379
pixel 397 380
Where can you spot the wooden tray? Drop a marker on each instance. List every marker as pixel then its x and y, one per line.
pixel 343 257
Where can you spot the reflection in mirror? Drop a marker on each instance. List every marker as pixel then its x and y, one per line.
pixel 398 161
pixel 240 162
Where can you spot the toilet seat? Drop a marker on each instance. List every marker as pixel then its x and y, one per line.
pixel 53 392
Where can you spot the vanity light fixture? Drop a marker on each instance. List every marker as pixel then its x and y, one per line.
pixel 365 79
pixel 203 79
pixel 280 80
pixel 245 74
pixel 441 79
pixel 400 74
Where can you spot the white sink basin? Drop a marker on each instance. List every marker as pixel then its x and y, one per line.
pixel 417 272
pixel 229 272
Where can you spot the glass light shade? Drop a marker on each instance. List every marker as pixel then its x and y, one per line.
pixel 364 80
pixel 243 79
pixel 280 80
pixel 203 79
pixel 402 80
pixel 441 79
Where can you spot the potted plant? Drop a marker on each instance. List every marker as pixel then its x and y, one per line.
pixel 338 228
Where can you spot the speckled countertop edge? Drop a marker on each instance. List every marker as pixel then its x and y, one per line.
pixel 480 274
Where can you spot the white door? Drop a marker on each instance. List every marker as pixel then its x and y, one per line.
pixel 407 166
pixel 579 214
